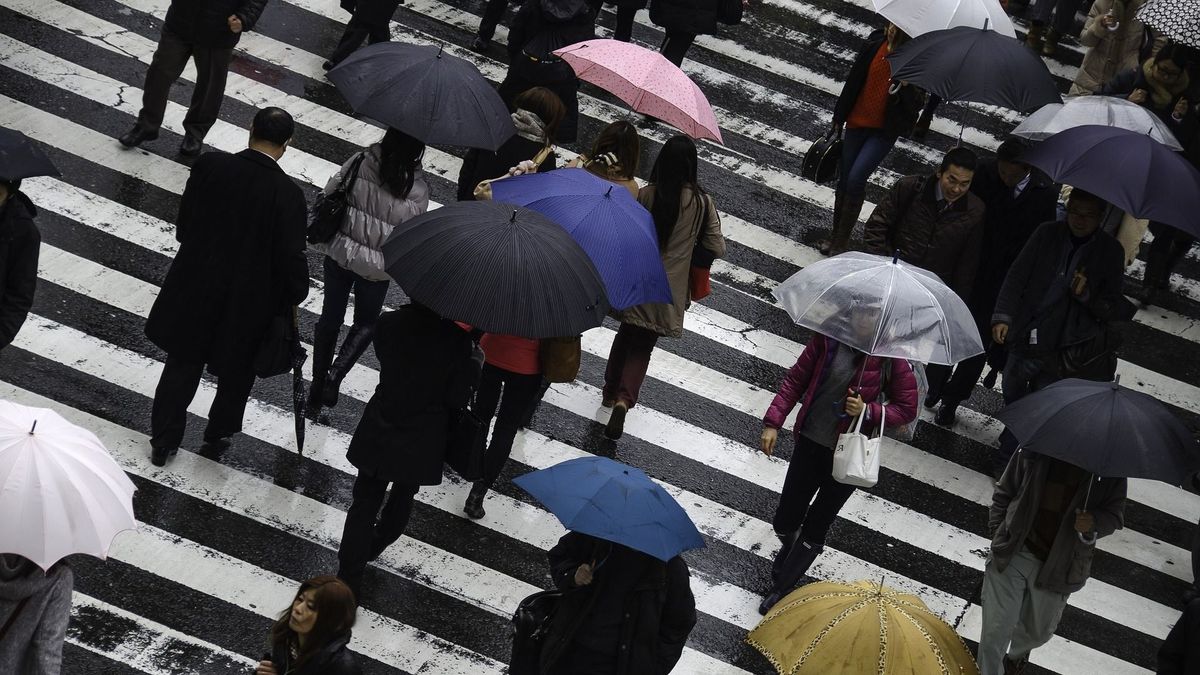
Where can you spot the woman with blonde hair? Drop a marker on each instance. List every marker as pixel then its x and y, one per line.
pixel 310 637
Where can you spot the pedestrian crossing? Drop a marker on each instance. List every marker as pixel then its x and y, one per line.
pixel 222 546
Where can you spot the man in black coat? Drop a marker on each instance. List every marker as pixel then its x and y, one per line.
pixel 20 243
pixel 240 263
pixel 371 21
pixel 205 31
pixel 682 21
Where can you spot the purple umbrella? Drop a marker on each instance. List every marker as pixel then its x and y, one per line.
pixel 1130 170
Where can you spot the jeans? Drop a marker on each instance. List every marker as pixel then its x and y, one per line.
pixel 339 283
pixel 1063 11
pixel 810 473
pixel 862 152
pixel 176 389
pixel 212 67
pixel 628 361
pixel 520 393
pixel 1018 617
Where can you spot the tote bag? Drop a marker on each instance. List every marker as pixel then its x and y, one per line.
pixel 856 458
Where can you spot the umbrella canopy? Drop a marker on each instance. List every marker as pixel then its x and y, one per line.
pixel 22 158
pixel 1110 430
pixel 1153 182
pixel 430 95
pixel 60 491
pixel 1177 20
pixel 615 502
pixel 970 64
pixel 918 17
pixel 646 81
pixel 859 628
pixel 1108 111
pixel 614 229
pixel 883 307
pixel 501 268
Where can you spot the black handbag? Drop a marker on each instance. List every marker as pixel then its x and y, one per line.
pixel 329 210
pixel 466 434
pixel 1093 359
pixel 280 346
pixel 530 623
pixel 821 161
pixel 729 12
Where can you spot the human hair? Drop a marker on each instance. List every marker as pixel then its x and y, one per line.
pixel 1078 194
pixel 1011 150
pixel 960 157
pixel 547 106
pixel 1171 52
pixel 620 139
pixel 399 157
pixel 334 604
pixel 674 169
pixel 273 125
pixel 899 37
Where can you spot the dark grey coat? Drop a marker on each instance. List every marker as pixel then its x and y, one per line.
pixel 20 243
pixel 33 644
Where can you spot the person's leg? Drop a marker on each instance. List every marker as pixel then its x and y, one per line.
pixel 493 11
pixel 937 374
pixel 874 147
pixel 962 383
pixel 1040 614
pixel 831 497
pixel 1064 18
pixel 168 415
pixel 212 69
pixel 615 365
pixel 356 31
pixel 1019 374
pixel 380 32
pixel 229 405
pixel 394 517
pixel 368 301
pixel 337 284
pixel 1002 597
pixel 800 484
pixel 519 392
pixel 675 46
pixel 639 346
pixel 354 552
pixel 170 58
pixel 625 16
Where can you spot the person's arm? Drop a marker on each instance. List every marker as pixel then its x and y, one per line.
pixel 1012 291
pixel 901 396
pixel 571 551
pixel 795 382
pixel 875 237
pixel 1094 31
pixel 185 221
pixel 711 239
pixel 291 263
pixel 1108 516
pixel 678 616
pixel 1006 489
pixel 20 285
pixel 1120 85
pixel 249 12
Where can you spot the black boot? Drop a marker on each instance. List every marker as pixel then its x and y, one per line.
pixel 843 229
pixel 786 541
pixel 799 559
pixel 474 506
pixel 357 341
pixel 324 344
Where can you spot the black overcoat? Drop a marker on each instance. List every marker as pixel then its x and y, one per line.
pixel 205 23
pixel 480 165
pixel 20 242
pixel 334 658
pixel 240 262
pixel 695 17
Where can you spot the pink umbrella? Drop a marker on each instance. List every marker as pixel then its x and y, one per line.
pixel 645 80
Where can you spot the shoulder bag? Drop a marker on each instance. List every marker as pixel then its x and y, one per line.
pixel 280 349
pixel 559 358
pixel 466 436
pixel 699 276
pixel 329 210
pixel 821 161
pixel 530 624
pixel 856 457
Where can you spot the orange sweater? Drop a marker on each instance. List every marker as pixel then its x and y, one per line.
pixel 870 109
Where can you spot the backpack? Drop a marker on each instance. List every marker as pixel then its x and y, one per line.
pixel 904 432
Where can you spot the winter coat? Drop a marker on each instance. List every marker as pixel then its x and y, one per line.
pixel 1036 292
pixel 332 659
pixel 693 224
pixel 480 165
pixel 631 4
pixel 20 243
pixel 1014 509
pixel 1180 652
pixel 240 262
pixel 803 379
pixel 375 12
pixel 424 374
pixel 33 644
pixel 903 107
pixel 1109 52
pixel 690 17
pixel 654 597
pixel 205 23
pixel 947 243
pixel 372 211
pixel 1123 85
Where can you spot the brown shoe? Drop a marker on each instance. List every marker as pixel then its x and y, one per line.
pixel 1033 39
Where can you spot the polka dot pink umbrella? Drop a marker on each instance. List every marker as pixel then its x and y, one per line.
pixel 649 83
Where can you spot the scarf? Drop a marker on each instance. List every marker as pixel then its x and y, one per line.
pixel 1163 96
pixel 529 126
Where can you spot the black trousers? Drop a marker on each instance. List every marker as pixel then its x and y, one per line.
pixel 1168 248
pixel 356 31
pixel 212 67
pixel 953 384
pixel 520 393
pixel 625 17
pixel 493 11
pixel 810 473
pixel 675 46
pixel 369 530
pixel 177 387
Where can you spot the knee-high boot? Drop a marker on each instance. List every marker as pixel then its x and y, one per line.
pixel 844 226
pixel 357 341
pixel 324 345
pixel 799 559
pixel 824 245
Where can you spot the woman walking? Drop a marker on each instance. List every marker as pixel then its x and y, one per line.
pixel 833 383
pixel 310 637
pixel 35 607
pixel 1114 38
pixel 615 155
pixel 685 218
pixel 387 191
pixel 537 118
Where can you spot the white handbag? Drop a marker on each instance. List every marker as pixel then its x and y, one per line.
pixel 856 457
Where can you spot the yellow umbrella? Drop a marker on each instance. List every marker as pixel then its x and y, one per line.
pixel 829 628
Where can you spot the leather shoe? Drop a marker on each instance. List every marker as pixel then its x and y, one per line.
pixel 480 44
pixel 931 401
pixel 190 147
pixel 214 449
pixel 768 602
pixel 946 414
pixel 159 456
pixel 136 136
pixel 616 421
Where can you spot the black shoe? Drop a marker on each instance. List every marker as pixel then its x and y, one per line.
pixel 214 449
pixel 946 414
pixel 931 400
pixel 989 380
pixel 136 136
pixel 616 421
pixel 786 541
pixel 480 44
pixel 159 456
pixel 474 506
pixel 328 66
pixel 770 601
pixel 191 146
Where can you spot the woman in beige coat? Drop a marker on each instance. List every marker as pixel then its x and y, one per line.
pixel 1114 40
pixel 685 217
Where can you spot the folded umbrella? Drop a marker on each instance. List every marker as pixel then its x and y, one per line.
pixel 614 229
pixel 1153 181
pixel 299 356
pixel 917 17
pixel 1108 111
pixel 426 93
pixel 22 158
pixel 1176 20
pixel 614 502
pixel 882 306
pixel 501 268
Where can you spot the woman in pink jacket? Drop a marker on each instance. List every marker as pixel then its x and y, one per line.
pixel 833 383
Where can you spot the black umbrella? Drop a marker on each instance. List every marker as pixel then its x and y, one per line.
pixel 22 158
pixel 426 93
pixel 969 64
pixel 501 268
pixel 1107 429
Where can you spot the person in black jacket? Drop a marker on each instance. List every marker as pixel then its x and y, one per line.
pixel 626 12
pixel 205 31
pixel 20 243
pixel 493 11
pixel 310 637
pixel 682 21
pixel 624 613
pixel 371 20
pixel 537 118
pixel 241 263
pixel 425 372
pixel 1180 652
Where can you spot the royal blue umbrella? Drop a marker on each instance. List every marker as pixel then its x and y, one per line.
pixel 614 502
pixel 610 225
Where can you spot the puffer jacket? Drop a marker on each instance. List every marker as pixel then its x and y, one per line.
pixel 372 211
pixel 1109 52
pixel 803 379
pixel 33 644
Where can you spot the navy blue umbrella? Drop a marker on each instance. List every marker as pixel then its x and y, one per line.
pixel 614 502
pixel 1129 170
pixel 22 158
pixel 614 229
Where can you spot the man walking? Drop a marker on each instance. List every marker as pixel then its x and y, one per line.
pixel 205 31
pixel 1045 518
pixel 240 262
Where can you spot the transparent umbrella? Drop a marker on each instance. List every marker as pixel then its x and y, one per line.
pixel 1108 111
pixel 883 307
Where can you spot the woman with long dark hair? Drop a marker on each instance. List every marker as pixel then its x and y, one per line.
pixel 310 637
pixel 388 190
pixel 686 219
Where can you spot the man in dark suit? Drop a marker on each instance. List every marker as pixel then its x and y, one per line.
pixel 205 31
pixel 240 263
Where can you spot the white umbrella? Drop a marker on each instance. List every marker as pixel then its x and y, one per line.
pixel 917 17
pixel 1108 111
pixel 60 491
pixel 882 307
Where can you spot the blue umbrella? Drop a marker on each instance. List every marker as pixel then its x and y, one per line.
pixel 615 502
pixel 610 225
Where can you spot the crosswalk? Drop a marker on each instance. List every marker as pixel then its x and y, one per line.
pixel 221 547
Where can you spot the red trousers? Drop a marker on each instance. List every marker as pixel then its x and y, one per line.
pixel 627 363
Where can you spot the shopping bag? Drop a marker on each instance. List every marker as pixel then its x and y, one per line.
pixel 856 457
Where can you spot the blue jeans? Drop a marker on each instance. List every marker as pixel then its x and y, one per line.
pixel 339 283
pixel 862 152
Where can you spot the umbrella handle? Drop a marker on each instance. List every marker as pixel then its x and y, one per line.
pixel 1082 537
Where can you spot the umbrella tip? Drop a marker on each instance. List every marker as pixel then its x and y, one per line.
pixel 514 217
pixel 986 21
pixel 608 192
pixel 895 256
pixel 1116 381
pixel 32 428
pixel 440 49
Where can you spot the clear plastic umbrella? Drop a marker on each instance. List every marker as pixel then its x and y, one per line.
pixel 883 307
pixel 1108 111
